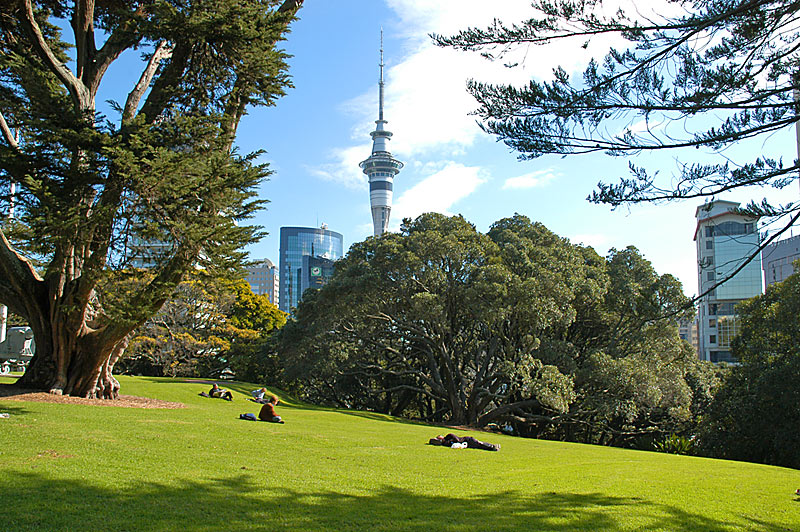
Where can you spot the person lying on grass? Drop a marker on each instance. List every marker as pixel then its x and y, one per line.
pixel 218 392
pixel 451 440
pixel 268 411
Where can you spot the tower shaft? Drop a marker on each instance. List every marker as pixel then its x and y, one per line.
pixel 380 168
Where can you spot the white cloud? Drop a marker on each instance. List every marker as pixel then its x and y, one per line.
pixel 427 105
pixel 345 168
pixel 362 232
pixel 438 192
pixel 539 178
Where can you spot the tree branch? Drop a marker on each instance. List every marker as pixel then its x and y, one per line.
pixel 18 277
pixel 163 51
pixel 73 85
pixel 11 139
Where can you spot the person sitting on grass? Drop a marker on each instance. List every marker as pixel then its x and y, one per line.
pixel 221 393
pixel 451 439
pixel 268 411
pixel 259 396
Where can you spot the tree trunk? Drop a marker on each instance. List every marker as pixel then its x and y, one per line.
pixel 81 372
pixel 70 362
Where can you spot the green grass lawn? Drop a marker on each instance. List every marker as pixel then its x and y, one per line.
pixel 74 467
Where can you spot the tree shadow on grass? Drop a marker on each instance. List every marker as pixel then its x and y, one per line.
pixel 12 410
pixel 242 502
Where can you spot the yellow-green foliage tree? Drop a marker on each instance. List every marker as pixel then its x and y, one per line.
pixel 202 329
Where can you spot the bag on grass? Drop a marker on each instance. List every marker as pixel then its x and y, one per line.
pixel 248 417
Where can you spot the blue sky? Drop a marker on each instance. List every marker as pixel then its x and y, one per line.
pixel 317 134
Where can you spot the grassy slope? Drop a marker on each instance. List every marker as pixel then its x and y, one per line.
pixel 72 467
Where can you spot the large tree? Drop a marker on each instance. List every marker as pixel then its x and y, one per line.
pixel 713 75
pixel 430 323
pixel 158 177
pixel 755 414
pixel 516 326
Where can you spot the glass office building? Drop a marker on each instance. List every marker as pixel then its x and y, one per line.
pixel 778 259
pixel 296 244
pixel 725 241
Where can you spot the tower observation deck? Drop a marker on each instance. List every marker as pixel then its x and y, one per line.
pixel 380 167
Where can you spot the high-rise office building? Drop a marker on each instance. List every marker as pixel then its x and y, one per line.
pixel 263 278
pixel 297 271
pixel 725 240
pixel 380 167
pixel 778 259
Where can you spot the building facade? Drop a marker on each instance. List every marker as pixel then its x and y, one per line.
pixel 778 258
pixel 725 240
pixel 687 330
pixel 380 168
pixel 298 272
pixel 147 254
pixel 315 272
pixel 263 278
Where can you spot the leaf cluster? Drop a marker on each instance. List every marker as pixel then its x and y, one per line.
pixel 754 414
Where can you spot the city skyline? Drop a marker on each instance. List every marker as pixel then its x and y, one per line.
pixel 316 136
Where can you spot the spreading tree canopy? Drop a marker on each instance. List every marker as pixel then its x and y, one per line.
pixel 516 326
pixel 721 72
pixel 157 179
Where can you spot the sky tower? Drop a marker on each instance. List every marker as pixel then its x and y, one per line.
pixel 380 167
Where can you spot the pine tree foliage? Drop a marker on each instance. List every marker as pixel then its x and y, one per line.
pixel 718 73
pixel 90 192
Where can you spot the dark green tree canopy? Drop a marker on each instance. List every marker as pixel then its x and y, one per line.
pixel 158 180
pixel 722 72
pixel 516 326
pixel 755 414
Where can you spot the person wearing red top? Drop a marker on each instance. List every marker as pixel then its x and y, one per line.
pixel 268 411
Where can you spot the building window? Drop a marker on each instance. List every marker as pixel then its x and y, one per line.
pixel 709 244
pixel 712 323
pixel 727 328
pixel 710 276
pixel 712 339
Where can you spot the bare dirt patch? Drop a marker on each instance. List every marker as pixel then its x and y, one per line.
pixel 13 393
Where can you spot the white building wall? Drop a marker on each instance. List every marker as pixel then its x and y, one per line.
pixel 264 279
